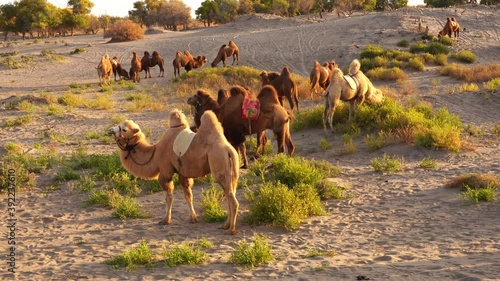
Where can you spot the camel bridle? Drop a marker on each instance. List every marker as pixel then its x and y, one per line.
pixel 129 148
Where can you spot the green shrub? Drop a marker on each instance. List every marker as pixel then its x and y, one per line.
pixel 447 41
pixel 128 208
pixel 371 51
pixel 124 30
pixel 381 73
pixel 293 171
pixel 437 48
pixel 308 118
pixel 492 85
pixel 329 190
pixel 254 254
pixel 465 56
pixel 428 163
pixel 387 164
pixel 475 196
pixel 367 64
pixel 104 197
pixel 185 253
pixel 417 64
pixel 418 47
pixel 78 51
pixel 211 204
pixel 140 255
pixel 349 145
pixel 403 43
pixel 380 61
pixel 441 59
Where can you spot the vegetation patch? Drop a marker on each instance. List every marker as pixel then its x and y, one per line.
pixel 465 56
pixel 185 253
pixel 252 254
pixel 474 181
pixel 130 259
pixel 389 164
pixel 479 73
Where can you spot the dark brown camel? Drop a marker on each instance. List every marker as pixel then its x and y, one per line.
pixel 284 85
pixel 272 116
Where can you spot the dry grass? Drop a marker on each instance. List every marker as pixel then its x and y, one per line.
pixel 480 73
pixel 474 181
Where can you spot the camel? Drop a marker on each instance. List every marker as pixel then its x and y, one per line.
pixel 225 52
pixel 157 59
pixel 136 67
pixel 320 76
pixel 451 26
pixel 341 90
pixel 104 69
pixel 284 85
pixel 272 116
pixel 190 155
pixel 187 61
pixel 145 63
pixel 118 69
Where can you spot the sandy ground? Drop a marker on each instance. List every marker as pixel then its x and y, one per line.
pixel 403 226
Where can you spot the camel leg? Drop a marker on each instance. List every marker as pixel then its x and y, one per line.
pixel 233 207
pixel 243 151
pixel 187 184
pixel 288 140
pixel 168 188
pixel 261 143
pixel 280 139
pixel 290 101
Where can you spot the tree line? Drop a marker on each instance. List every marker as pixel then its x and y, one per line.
pixel 43 19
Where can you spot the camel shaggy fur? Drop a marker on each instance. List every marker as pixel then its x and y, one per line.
pixel 135 68
pixel 451 26
pixel 340 90
pixel 104 69
pixel 118 69
pixel 284 85
pixel 187 61
pixel 209 152
pixel 272 116
pixel 225 52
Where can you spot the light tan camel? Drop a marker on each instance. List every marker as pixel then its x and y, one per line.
pixel 284 85
pixel 319 77
pixel 187 61
pixel 207 152
pixel 341 90
pixel 451 26
pixel 105 69
pixel 135 67
pixel 225 52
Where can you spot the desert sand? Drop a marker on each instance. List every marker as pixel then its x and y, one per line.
pixel 402 226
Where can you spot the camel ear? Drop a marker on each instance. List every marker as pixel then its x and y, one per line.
pixel 136 130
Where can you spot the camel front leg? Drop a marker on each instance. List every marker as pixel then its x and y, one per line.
pixel 243 151
pixel 187 184
pixel 168 188
pixel 233 207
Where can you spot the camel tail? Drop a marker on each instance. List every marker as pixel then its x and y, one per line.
pixel 354 67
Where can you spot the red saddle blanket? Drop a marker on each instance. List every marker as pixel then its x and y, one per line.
pixel 250 109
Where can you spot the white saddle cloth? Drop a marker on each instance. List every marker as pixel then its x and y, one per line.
pixel 183 141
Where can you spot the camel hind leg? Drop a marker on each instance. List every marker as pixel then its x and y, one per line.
pixel 187 184
pixel 288 140
pixel 168 187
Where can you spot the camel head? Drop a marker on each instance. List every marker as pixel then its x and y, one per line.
pixel 125 131
pixel 197 99
pixel 177 119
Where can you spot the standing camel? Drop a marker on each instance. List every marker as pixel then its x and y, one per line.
pixel 225 52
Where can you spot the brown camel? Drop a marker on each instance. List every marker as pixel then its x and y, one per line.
pixel 451 26
pixel 183 152
pixel 284 85
pixel 146 64
pixel 118 69
pixel 320 76
pixel 187 61
pixel 342 90
pixel 135 68
pixel 225 52
pixel 272 116
pixel 104 69
pixel 158 60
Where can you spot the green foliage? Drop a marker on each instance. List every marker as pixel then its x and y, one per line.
pixel 325 144
pixel 128 208
pixel 185 253
pixel 475 196
pixel 387 164
pixel 139 255
pixel 252 254
pixel 78 51
pixel 382 73
pixel 329 190
pixel 432 48
pixel 293 171
pixel 19 121
pixel 349 145
pixel 441 59
pixel 428 163
pixel 492 85
pixel 70 99
pixel 416 64
pixel 65 174
pixel 313 117
pixel 403 43
pixel 211 204
pixel 104 197
pixel 371 51
pixel 10 167
pixel 465 56
pixel 447 41
pixel 320 253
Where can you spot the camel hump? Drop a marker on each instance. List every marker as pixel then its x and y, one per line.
pixel 210 124
pixel 155 54
pixel 268 95
pixel 285 71
pixel 238 90
pixel 354 67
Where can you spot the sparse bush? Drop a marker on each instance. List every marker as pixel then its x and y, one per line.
pixel 437 48
pixel 403 43
pixel 371 51
pixel 70 99
pixel 441 59
pixel 329 190
pixel 309 118
pixel 387 164
pixel 465 56
pixel 124 30
pixel 185 253
pixel 252 255
pixel 349 145
pixel 381 73
pixel 78 51
pixel 474 181
pixel 447 41
pixel 140 255
pixel 418 47
pixel 492 85
pixel 475 196
pixel 428 163
pixel 325 144
pixel 416 63
pixel 479 73
pixel 468 87
pixel 293 171
pixel 128 208
pixel 211 204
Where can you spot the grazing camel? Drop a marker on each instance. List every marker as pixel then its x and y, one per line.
pixel 187 61
pixel 451 26
pixel 118 69
pixel 272 116
pixel 284 85
pixel 225 52
pixel 183 152
pixel 320 76
pixel 104 69
pixel 136 67
pixel 354 88
pixel 157 59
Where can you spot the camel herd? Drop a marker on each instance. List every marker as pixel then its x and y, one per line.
pixel 220 134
